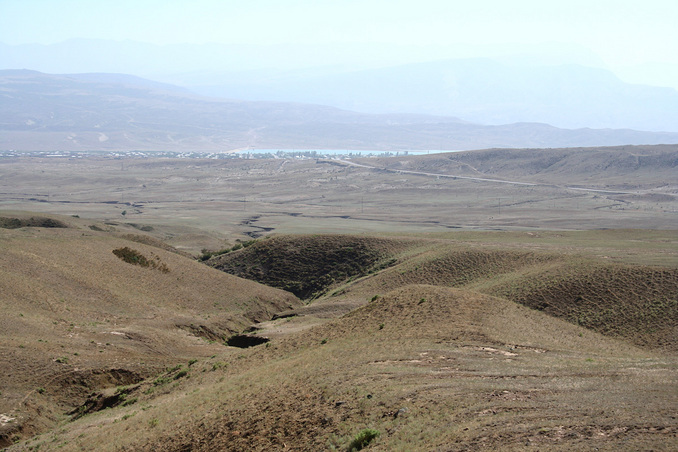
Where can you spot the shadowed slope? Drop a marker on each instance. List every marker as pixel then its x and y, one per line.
pixel 308 265
pixel 636 303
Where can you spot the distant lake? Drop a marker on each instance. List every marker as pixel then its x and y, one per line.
pixel 360 153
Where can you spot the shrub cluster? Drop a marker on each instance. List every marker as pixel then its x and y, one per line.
pixel 136 258
pixel 206 254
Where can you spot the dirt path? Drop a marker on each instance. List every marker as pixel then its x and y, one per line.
pixel 498 181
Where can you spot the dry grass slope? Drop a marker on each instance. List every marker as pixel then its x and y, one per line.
pixel 635 303
pixel 75 318
pixel 430 368
pixel 307 266
pixel 454 345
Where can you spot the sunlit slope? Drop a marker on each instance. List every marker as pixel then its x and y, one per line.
pixel 74 317
pixel 626 167
pixel 429 368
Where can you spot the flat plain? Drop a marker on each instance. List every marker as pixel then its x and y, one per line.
pixel 220 200
pixel 486 300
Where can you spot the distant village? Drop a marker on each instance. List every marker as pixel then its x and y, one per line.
pixel 245 154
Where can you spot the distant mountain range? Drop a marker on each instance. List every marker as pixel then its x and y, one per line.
pixel 113 111
pixel 560 85
pixel 479 90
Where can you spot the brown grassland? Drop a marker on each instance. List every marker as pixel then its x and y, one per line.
pixel 487 300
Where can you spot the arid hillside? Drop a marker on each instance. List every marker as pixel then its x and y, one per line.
pixel 418 368
pixel 565 165
pixel 208 203
pixel 451 341
pixel 638 303
pixel 82 310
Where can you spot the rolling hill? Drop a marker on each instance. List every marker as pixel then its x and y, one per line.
pixel 76 317
pixel 454 341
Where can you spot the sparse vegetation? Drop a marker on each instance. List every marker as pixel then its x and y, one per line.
pixel 362 439
pixel 134 257
pixel 207 254
pixel 130 401
pixel 181 374
pixel 306 266
pixel 218 365
pixel 495 339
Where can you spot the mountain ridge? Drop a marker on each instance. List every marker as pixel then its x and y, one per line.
pixel 103 112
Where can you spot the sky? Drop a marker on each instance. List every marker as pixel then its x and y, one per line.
pixel 622 33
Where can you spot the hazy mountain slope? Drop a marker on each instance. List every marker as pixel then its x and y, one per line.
pixel 91 112
pixel 479 90
pixel 549 85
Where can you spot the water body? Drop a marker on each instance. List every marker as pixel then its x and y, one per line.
pixel 338 152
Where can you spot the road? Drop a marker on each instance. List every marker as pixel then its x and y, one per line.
pixel 483 179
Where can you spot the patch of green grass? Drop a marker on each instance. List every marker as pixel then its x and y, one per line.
pixel 362 439
pixel 160 381
pixel 218 365
pixel 131 401
pixel 134 257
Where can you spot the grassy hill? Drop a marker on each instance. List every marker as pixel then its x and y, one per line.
pixel 629 167
pixel 454 341
pixel 74 317
pixel 638 303
pixel 428 368
pixel 308 265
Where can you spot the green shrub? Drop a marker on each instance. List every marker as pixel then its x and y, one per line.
pixel 136 258
pixel 160 381
pixel 180 374
pixel 362 439
pixel 218 365
pixel 130 401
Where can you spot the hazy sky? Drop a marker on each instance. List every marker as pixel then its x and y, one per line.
pixel 622 32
